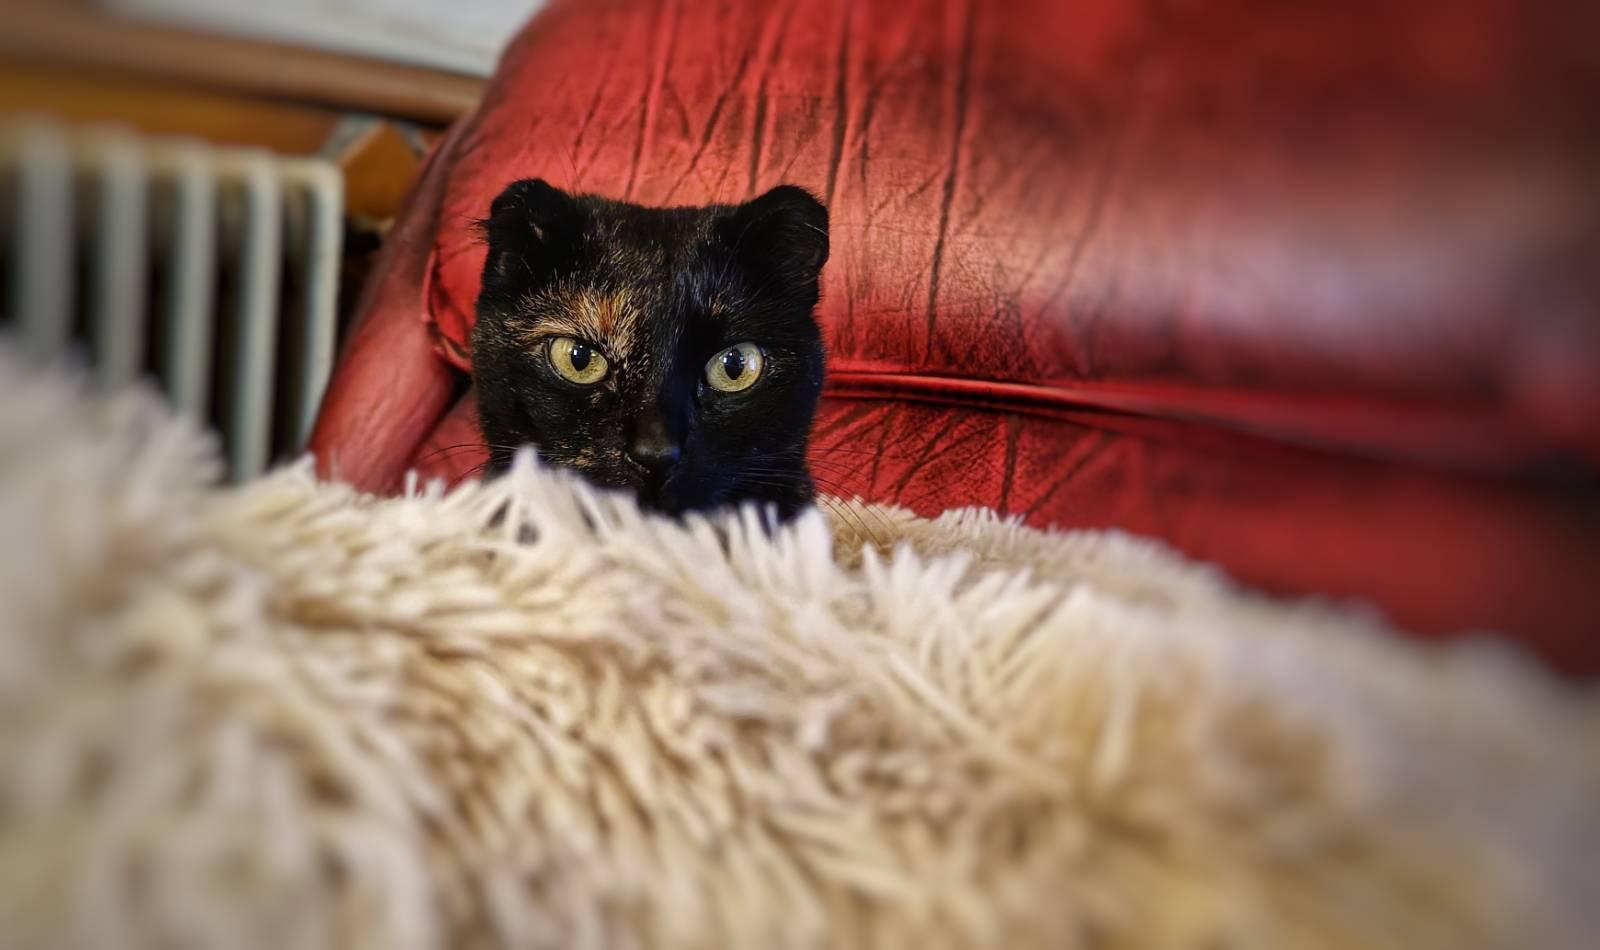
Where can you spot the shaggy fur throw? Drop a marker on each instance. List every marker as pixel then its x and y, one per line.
pixel 525 715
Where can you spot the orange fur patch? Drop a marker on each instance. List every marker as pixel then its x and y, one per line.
pixel 608 319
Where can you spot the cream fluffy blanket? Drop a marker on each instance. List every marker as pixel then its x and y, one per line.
pixel 287 715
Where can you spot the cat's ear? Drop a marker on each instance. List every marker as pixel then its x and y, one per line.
pixel 530 228
pixel 784 231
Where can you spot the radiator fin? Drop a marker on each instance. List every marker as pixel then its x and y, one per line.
pixel 211 271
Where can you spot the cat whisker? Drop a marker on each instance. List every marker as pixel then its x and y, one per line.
pixel 458 448
pixel 844 497
pixel 843 510
pixel 853 452
pixel 853 517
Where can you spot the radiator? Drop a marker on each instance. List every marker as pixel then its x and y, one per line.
pixel 211 271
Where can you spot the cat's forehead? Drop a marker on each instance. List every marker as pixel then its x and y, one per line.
pixel 613 314
pixel 630 274
pixel 622 308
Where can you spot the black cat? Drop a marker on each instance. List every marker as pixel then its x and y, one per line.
pixel 672 352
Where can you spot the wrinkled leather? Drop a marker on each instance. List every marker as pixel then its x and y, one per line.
pixel 1307 289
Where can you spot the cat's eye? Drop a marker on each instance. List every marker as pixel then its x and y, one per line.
pixel 577 361
pixel 735 368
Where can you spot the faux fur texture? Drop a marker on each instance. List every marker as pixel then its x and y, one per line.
pixel 287 715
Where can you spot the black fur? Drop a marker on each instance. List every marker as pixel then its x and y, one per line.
pixel 678 286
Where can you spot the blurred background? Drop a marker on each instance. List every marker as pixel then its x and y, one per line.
pixel 192 190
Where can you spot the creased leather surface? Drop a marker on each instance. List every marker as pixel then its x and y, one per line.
pixel 1333 261
pixel 1438 553
pixel 1386 203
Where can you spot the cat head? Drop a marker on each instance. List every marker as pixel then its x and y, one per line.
pixel 671 352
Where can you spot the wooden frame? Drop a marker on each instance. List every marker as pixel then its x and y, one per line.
pixel 69 35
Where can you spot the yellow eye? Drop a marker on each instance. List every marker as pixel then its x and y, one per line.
pixel 735 368
pixel 577 361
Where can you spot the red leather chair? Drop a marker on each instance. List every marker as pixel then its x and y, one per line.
pixel 1310 290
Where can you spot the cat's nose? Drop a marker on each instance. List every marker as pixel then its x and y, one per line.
pixel 654 448
pixel 655 456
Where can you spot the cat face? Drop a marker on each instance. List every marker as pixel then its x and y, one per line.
pixel 671 352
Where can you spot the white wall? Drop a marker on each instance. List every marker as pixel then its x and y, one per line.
pixel 463 36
